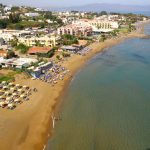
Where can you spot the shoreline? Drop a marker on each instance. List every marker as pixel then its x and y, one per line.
pixel 97 47
pixel 33 120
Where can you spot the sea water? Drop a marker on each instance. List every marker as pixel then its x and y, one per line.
pixel 107 105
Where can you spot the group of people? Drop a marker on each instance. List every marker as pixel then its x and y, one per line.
pixel 57 72
pixel 13 94
pixel 84 51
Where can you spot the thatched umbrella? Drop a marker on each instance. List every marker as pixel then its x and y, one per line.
pixel 7 92
pixel 14 94
pixel 11 106
pixel 22 96
pixel 17 100
pixel 1 92
pixel 11 84
pixel 2 96
pixel 20 90
pixel 5 87
pixel 7 102
pixel 13 88
pixel 2 104
pixel 26 87
pixel 18 86
pixel 3 82
pixel 8 98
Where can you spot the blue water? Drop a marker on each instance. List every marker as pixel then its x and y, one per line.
pixel 146 13
pixel 107 105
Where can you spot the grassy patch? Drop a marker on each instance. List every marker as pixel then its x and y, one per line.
pixel 10 76
pixel 6 78
pixel 123 30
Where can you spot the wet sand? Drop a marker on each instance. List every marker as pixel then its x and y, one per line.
pixel 27 127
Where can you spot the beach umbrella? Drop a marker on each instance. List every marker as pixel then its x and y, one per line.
pixel 11 105
pixel 14 94
pixel 2 96
pixel 2 103
pixel 8 98
pixel 12 89
pixel 22 96
pixel 7 92
pixel 18 85
pixel 20 90
pixel 5 87
pixel 11 84
pixel 26 87
pixel 17 100
pixel 1 91
pixel 7 102
pixel 4 82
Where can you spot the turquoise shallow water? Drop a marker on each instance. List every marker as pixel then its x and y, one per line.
pixel 107 106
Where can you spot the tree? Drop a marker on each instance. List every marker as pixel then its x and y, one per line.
pixel 22 48
pixel 14 42
pixel 131 27
pixel 3 23
pixel 51 53
pixel 10 54
pixel 103 13
pixel 18 26
pixel 14 18
pixel 60 22
pixel 58 57
pixel 48 15
pixel 103 38
pixel 15 8
pixel 65 54
pixel 114 33
pixel 68 39
pixel 37 43
pixel 1 5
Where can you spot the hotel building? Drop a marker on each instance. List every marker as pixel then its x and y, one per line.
pixel 75 29
pixel 50 41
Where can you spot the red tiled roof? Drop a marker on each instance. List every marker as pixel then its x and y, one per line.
pixel 34 50
pixel 3 53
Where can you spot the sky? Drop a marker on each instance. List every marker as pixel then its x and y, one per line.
pixel 63 3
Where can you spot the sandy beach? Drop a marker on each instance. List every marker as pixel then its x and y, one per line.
pixel 27 127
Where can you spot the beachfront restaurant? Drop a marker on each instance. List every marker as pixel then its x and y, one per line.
pixel 38 71
pixel 18 63
pixel 70 49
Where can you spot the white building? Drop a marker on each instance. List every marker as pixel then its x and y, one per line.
pixel 39 9
pixel 7 8
pixel 98 25
pixel 8 35
pixel 103 26
pixel 49 21
pixel 50 41
pixel 17 62
pixel 32 14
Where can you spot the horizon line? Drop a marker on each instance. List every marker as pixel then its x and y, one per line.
pixel 58 6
